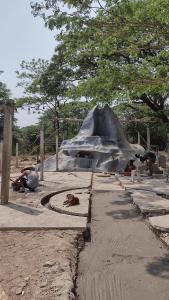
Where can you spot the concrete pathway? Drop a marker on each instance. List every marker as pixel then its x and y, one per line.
pixel 154 185
pixel 103 182
pixel 146 196
pixel 124 259
pixel 149 202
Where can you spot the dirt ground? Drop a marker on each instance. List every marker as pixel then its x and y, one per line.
pixel 23 161
pixel 38 264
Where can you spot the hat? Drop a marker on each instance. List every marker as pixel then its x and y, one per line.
pixel 28 168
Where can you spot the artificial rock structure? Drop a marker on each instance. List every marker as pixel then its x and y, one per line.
pixel 100 145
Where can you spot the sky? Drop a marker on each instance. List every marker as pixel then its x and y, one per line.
pixel 23 37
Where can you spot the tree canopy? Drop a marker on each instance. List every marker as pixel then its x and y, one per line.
pixel 45 84
pixel 4 91
pixel 114 50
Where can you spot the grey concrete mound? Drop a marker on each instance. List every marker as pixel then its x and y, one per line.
pixel 99 146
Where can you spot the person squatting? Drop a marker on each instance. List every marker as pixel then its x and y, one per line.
pixel 28 179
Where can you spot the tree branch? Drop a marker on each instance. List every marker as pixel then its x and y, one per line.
pixel 100 4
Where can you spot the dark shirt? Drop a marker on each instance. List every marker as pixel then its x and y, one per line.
pixel 148 156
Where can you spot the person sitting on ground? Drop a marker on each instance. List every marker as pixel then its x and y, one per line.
pixel 29 179
pixel 149 158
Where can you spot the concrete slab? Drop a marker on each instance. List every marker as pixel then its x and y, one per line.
pixel 56 203
pixel 155 185
pixel 19 216
pixel 78 179
pixel 160 223
pixel 165 237
pixel 26 212
pixel 105 183
pixel 149 202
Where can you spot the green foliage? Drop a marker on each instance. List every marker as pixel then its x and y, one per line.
pixel 116 49
pixel 29 139
pixel 45 84
pixel 112 52
pixel 136 119
pixel 29 78
pixel 68 124
pixel 4 91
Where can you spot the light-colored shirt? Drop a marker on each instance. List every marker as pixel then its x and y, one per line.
pixel 33 179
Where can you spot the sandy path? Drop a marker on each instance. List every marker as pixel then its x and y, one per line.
pixel 124 260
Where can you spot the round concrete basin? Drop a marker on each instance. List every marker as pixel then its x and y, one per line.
pixel 56 203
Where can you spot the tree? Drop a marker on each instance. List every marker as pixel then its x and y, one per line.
pixel 29 80
pixel 29 139
pixel 45 84
pixel 70 113
pixel 4 91
pixel 118 50
pixel 134 122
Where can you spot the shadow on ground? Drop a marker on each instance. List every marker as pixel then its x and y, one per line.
pixel 24 209
pixel 159 267
pixel 125 214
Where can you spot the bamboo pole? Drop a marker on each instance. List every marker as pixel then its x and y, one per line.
pixel 1 148
pixel 138 138
pixel 17 154
pixel 148 139
pixel 57 149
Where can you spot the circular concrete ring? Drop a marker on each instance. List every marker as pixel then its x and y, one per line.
pixel 56 203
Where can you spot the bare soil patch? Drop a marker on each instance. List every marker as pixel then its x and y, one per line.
pixel 37 264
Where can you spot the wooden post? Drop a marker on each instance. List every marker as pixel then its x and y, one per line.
pixel 42 153
pixel 57 148
pixel 168 144
pixel 17 152
pixel 157 158
pixel 138 138
pixel 148 138
pixel 6 152
pixel 1 147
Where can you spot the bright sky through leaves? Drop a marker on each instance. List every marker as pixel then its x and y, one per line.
pixel 23 37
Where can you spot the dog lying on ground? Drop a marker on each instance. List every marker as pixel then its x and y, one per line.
pixel 71 200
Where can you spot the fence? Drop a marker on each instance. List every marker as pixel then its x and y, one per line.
pixel 46 141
